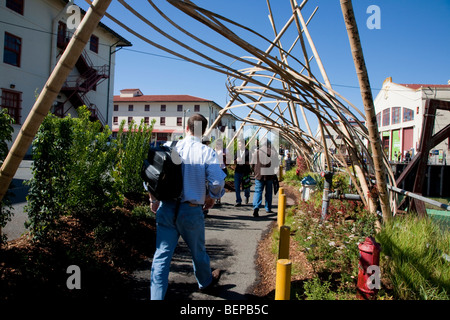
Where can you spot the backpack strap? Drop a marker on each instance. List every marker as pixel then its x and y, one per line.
pixel 177 206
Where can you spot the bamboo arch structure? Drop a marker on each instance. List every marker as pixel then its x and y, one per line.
pixel 276 87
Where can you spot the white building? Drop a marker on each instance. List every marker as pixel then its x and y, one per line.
pixel 400 109
pixel 169 111
pixel 33 35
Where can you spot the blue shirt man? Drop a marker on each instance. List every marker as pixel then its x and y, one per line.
pixel 203 182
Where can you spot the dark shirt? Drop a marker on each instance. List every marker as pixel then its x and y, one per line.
pixel 242 165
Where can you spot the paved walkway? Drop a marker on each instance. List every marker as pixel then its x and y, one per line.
pixel 15 228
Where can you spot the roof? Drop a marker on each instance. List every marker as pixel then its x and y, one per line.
pixel 418 86
pixel 160 98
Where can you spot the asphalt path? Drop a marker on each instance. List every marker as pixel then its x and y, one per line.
pixel 15 228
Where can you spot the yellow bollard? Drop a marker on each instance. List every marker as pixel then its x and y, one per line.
pixel 280 173
pixel 283 280
pixel 281 209
pixel 283 245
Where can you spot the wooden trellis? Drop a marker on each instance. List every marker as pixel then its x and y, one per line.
pixel 276 87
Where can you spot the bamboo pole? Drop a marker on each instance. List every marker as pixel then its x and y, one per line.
pixel 366 93
pixel 50 91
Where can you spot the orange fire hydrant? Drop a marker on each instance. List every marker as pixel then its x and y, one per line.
pixel 369 270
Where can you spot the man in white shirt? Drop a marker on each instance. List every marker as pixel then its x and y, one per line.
pixel 203 182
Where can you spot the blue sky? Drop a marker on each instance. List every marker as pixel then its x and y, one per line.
pixel 412 45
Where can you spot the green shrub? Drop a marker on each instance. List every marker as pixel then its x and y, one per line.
pixel 315 289
pixel 133 147
pixel 49 186
pixel 79 170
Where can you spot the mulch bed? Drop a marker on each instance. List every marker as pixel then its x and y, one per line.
pixel 301 269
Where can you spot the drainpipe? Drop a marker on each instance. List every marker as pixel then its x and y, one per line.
pixel 109 79
pixel 344 196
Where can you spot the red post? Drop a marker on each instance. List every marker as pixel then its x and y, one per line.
pixel 369 270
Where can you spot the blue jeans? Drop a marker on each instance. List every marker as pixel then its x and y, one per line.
pixel 190 224
pixel 260 185
pixel 237 186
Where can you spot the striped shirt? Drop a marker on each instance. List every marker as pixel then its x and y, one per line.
pixel 201 171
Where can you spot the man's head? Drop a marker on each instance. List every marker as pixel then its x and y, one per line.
pixel 196 125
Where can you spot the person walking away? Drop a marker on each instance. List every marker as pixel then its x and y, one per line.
pixel 203 182
pixel 264 162
pixel 242 169
pixel 288 162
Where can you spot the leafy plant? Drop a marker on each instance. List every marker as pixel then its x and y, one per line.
pixel 92 159
pixel 133 147
pixel 315 289
pixel 49 186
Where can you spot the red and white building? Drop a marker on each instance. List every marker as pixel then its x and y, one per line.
pixel 400 109
pixel 170 113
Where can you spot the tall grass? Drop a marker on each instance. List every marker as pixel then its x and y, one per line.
pixel 416 258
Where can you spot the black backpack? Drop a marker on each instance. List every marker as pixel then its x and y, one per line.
pixel 161 171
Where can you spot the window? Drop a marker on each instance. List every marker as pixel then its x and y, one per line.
pixel 12 100
pixel 197 108
pixel 58 109
pixel 15 5
pixel 147 107
pixel 116 120
pixel 386 117
pixel 163 107
pixel 12 50
pixel 93 44
pixel 130 120
pixel 116 107
pixel 130 107
pixel 179 121
pixel 162 121
pixel 379 119
pixel 146 120
pixel 408 114
pixel 62 40
pixel 180 108
pixel 396 112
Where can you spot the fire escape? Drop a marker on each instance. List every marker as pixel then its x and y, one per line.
pixel 76 87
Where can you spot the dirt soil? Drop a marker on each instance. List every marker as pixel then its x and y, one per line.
pixel 266 261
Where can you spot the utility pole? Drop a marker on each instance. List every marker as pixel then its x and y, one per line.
pixel 366 93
